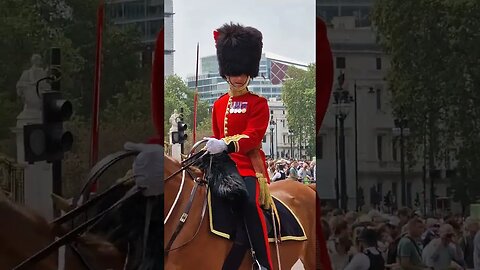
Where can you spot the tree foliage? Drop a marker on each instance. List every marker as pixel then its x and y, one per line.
pixel 435 77
pixel 31 26
pixel 298 95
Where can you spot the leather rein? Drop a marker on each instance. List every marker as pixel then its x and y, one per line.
pixel 94 174
pixel 198 181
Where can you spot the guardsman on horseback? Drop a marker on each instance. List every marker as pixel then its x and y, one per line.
pixel 239 122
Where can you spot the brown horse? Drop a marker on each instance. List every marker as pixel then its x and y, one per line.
pixel 23 233
pixel 207 251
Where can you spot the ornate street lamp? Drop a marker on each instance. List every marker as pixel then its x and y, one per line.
pixel 290 134
pixel 370 91
pixel 272 127
pixel 342 102
pixel 401 131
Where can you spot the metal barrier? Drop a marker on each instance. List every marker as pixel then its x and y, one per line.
pixel 12 179
pixel 167 148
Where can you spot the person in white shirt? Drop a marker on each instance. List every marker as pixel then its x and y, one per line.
pixel 279 173
pixel 441 252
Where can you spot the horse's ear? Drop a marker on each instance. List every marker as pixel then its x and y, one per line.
pixel 61 203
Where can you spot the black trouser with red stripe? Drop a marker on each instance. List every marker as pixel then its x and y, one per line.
pixel 256 224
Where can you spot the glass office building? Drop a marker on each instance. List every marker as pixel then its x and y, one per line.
pixel 145 15
pixel 268 83
pixel 360 9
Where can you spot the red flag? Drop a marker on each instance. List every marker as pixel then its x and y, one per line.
pixel 157 90
pixel 96 91
pixel 324 88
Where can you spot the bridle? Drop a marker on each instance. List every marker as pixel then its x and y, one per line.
pixel 69 237
pixel 94 174
pixel 198 181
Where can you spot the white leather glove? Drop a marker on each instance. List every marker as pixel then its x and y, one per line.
pixel 215 146
pixel 148 167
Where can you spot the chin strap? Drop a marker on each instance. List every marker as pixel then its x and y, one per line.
pixel 240 89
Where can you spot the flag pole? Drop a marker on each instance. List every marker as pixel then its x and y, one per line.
pixel 195 99
pixel 96 90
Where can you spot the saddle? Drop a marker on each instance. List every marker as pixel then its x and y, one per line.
pixel 227 189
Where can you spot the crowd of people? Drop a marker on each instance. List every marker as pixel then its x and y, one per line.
pixel 303 171
pixel 404 240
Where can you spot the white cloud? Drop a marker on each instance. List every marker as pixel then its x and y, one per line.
pixel 288 27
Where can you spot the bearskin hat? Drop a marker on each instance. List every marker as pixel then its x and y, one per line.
pixel 239 50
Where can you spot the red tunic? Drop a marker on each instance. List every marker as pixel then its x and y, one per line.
pixel 244 124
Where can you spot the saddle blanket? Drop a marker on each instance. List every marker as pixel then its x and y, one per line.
pixel 225 222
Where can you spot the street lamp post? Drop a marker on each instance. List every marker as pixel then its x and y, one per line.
pixel 401 131
pixel 337 186
pixel 357 194
pixel 272 126
pixel 356 144
pixel 290 134
pixel 342 99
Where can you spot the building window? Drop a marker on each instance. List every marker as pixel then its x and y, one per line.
pixel 284 140
pixel 284 122
pixel 394 150
pixel 379 63
pixel 264 139
pixel 283 111
pixel 340 62
pixel 271 112
pixel 379 99
pixel 379 147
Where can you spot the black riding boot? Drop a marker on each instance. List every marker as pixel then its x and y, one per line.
pixel 255 223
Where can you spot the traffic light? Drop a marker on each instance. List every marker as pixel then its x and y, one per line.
pixel 48 141
pixel 182 136
pixel 56 110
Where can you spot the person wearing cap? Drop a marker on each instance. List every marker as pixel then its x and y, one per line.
pixel 433 225
pixel 441 252
pixel 239 122
pixel 368 257
pixel 279 173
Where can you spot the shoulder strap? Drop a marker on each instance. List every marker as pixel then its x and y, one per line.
pixel 416 246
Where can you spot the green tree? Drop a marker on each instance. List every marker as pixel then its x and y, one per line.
pixel 435 85
pixel 298 95
pixel 125 118
pixel 30 26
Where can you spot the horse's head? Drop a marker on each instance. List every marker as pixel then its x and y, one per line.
pixel 23 232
